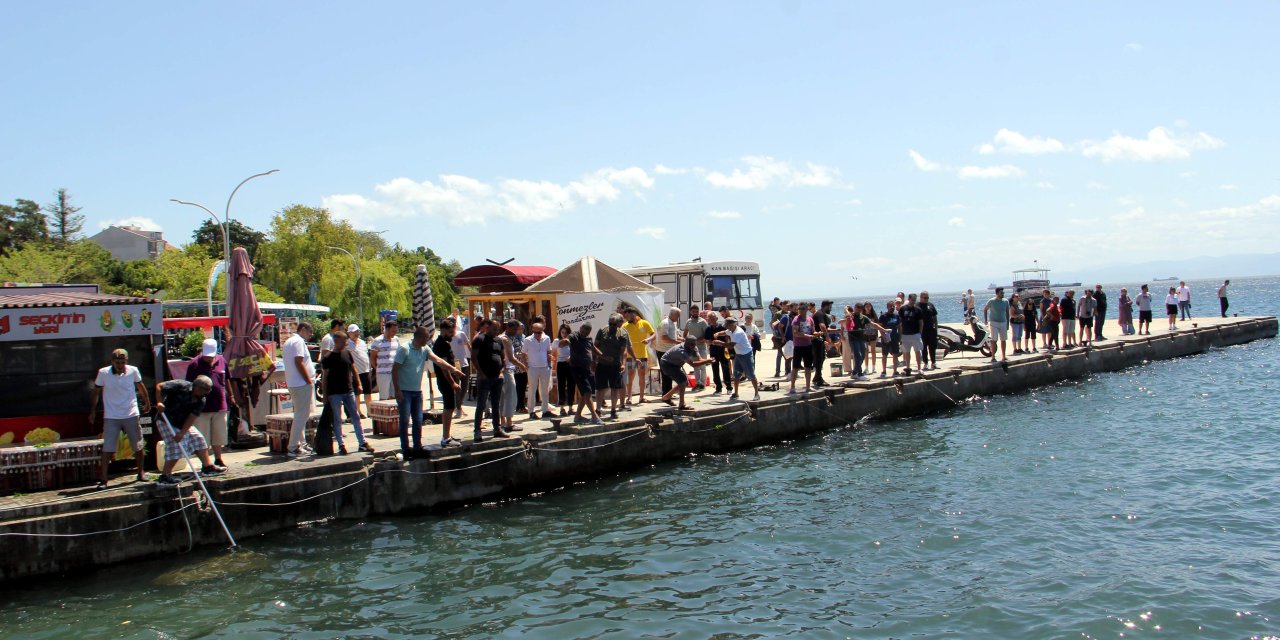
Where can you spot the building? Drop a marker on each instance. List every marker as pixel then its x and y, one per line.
pixel 131 243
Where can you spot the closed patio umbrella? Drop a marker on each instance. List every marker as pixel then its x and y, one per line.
pixel 247 361
pixel 424 307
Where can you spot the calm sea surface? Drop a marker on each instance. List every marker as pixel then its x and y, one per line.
pixel 1144 503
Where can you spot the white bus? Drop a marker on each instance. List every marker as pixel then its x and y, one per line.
pixel 688 285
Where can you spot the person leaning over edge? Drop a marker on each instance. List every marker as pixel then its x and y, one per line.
pixel 182 403
pixel 672 364
pixel 119 385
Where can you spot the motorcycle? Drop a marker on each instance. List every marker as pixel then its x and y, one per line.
pixel 950 339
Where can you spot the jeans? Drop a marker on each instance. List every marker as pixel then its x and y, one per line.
pixel 302 398
pixel 1098 317
pixel 1222 302
pixel 338 402
pixel 509 399
pixel 744 366
pixel 1017 334
pixel 778 362
pixel 539 383
pixel 1184 310
pixel 819 357
pixel 564 384
pixel 720 372
pixel 859 354
pixel 930 337
pixel 488 392
pixel 410 406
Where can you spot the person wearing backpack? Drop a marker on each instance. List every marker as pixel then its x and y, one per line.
pixel 781 336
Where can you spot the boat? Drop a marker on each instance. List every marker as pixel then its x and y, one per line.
pixel 1030 283
pixel 1169 279
pixel 1063 285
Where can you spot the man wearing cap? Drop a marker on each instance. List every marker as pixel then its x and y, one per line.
pixel 360 356
pixel 182 404
pixel 382 354
pixel 119 386
pixel 212 421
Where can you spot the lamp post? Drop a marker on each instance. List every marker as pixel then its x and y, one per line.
pixel 359 280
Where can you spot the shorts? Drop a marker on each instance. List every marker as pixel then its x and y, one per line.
pixel 912 341
pixel 583 379
pixel 1171 309
pixel 1086 322
pixel 213 426
pixel 1000 330
pixel 366 382
pixel 803 357
pixel 637 363
pixel 744 366
pixel 1145 316
pixel 1068 325
pixel 894 346
pixel 674 372
pixel 448 396
pixel 111 428
pixel 608 376
pixel 192 441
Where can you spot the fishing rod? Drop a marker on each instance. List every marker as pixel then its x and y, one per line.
pixel 187 454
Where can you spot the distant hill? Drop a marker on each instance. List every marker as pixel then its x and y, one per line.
pixel 1257 264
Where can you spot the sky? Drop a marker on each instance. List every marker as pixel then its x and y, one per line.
pixel 846 147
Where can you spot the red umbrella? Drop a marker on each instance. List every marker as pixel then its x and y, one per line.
pixel 247 361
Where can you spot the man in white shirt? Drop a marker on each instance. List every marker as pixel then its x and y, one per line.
pixel 326 343
pixel 744 356
pixel 461 344
pixel 1184 301
pixel 119 386
pixel 539 358
pixel 360 357
pixel 382 354
pixel 1222 297
pixel 299 375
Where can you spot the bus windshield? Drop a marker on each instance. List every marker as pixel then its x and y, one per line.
pixel 734 292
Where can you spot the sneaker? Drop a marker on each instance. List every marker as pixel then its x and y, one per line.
pixel 450 442
pixel 613 415
pixel 364 446
pixel 595 421
pixel 342 451
pixel 512 428
pixel 907 371
pixel 212 470
pixel 716 392
pixel 733 396
pixel 564 412
pixel 167 481
pixel 102 484
pixel 533 416
pixel 476 437
pixel 883 374
pixel 756 398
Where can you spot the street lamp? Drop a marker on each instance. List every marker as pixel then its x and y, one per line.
pixel 359 280
pixel 224 225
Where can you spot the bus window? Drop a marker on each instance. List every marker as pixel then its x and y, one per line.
pixel 749 292
pixel 720 291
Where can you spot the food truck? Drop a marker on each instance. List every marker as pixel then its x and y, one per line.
pixel 53 341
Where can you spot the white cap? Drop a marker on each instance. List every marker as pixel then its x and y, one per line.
pixel 210 347
pixel 351 328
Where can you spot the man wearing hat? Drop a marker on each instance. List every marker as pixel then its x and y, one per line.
pixel 382 355
pixel 212 421
pixel 119 386
pixel 360 356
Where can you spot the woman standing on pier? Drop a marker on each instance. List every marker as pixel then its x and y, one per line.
pixel 564 375
pixel 1015 322
pixel 1029 327
pixel 869 310
pixel 1052 316
pixel 1126 313
pixel 1171 308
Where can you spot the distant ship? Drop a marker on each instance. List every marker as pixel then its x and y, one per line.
pixel 1059 285
pixel 1169 279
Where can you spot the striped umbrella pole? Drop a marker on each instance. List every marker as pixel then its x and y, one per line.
pixel 424 312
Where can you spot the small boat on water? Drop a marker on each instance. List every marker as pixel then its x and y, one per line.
pixel 1169 279
pixel 1060 285
pixel 1031 283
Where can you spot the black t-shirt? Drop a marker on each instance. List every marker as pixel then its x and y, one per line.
pixel 889 320
pixel 443 348
pixel 911 319
pixel 821 321
pixel 1101 298
pixel 930 315
pixel 612 347
pixel 1068 308
pixel 717 351
pixel 337 372
pixel 486 353
pixel 179 403
pixel 580 351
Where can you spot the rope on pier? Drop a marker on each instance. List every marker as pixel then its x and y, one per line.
pixel 23 534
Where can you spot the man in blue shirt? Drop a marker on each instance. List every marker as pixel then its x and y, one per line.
pixel 406 384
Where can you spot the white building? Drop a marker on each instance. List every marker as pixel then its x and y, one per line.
pixel 131 243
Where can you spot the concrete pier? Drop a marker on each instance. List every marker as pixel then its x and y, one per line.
pixel 80 529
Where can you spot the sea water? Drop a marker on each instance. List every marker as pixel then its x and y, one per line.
pixel 1142 503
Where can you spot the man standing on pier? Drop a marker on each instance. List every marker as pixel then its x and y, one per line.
pixel 929 330
pixel 696 326
pixel 119 386
pixel 911 324
pixel 300 376
pixel 1099 311
pixel 382 353
pixel 408 369
pixel 1184 301
pixel 996 315
pixel 1222 297
pixel 641 334
pixel 822 321
pixel 1143 301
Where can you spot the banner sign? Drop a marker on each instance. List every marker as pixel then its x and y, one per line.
pixel 575 309
pixel 53 323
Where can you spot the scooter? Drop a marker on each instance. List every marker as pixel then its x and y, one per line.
pixel 950 339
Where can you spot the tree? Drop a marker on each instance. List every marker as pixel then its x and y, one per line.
pixel 43 262
pixel 292 259
pixel 383 288
pixel 20 224
pixel 444 294
pixel 209 236
pixel 64 219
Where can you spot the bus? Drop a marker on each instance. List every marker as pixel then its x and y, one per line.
pixel 688 285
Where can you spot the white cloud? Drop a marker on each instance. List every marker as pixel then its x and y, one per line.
pixel 956 222
pixel 855 202
pixel 765 171
pixel 993 171
pixel 1096 186
pixel 1228 187
pixel 1266 207
pixel 1012 142
pixel 1161 143
pixel 923 163
pixel 1044 184
pixel 1127 201
pixel 141 222
pixel 657 233
pixel 725 215
pixel 1136 213
pixel 1187 174
pixel 664 170
pixel 463 200
pixel 1134 47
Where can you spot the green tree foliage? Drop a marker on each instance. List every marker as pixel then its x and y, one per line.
pixel 46 262
pixel 300 237
pixel 65 221
pixel 192 344
pixel 383 288
pixel 209 236
pixel 441 273
pixel 21 223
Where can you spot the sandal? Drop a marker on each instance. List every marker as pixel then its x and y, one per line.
pixel 668 402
